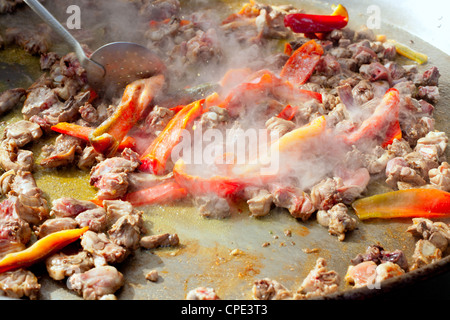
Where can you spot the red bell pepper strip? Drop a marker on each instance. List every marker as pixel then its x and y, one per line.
pixel 83 133
pixel 223 186
pixel 288 113
pixel 163 193
pixel 426 203
pixel 40 249
pixel 311 23
pixel 302 63
pixel 136 98
pixel 381 121
pixel 154 159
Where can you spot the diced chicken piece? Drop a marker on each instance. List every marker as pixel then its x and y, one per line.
pixel 214 118
pixel 22 132
pixel 160 240
pixel 10 98
pixel 63 152
pixel 325 194
pixel 387 270
pixel 157 120
pixel 38 100
pixel 378 255
pixel 18 284
pixel 268 289
pixel 31 209
pixel 213 206
pixel 70 207
pixel 437 233
pixel 337 220
pixel 53 225
pixel 260 203
pixel 112 186
pixel 425 253
pixel 95 219
pixel 320 281
pixel 102 249
pixel 12 228
pixel 398 170
pixel 126 231
pixel 278 127
pixel 13 158
pixel 297 202
pixel 440 176
pixel 61 265
pixel 433 145
pixel 362 274
pixel 97 282
pixel 202 293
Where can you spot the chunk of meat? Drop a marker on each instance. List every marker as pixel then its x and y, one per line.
pixel 63 152
pixel 18 284
pixel 61 265
pixel 202 293
pixel 22 132
pixel 268 289
pixel 102 249
pixel 398 170
pixel 10 98
pixel 159 240
pixel 157 120
pixel 320 281
pixel 337 220
pixel 213 206
pixel 70 207
pixel 438 233
pixel 112 186
pixel 13 158
pixel 362 274
pixel 425 253
pixel 387 270
pixel 325 194
pixel 54 225
pixel 126 231
pixel 278 127
pixel 95 219
pixel 259 201
pixel 440 176
pixel 296 201
pixel 38 100
pixel 97 282
pixel 378 255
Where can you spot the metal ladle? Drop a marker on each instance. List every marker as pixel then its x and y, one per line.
pixel 113 65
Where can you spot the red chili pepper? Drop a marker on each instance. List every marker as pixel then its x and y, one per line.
pixel 381 122
pixel 288 113
pixel 409 203
pixel 163 193
pixel 83 133
pixel 302 63
pixel 154 159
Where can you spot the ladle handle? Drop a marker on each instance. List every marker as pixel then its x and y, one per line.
pixel 41 11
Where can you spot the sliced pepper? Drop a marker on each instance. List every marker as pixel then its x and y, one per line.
pixel 409 53
pixel 83 133
pixel 154 159
pixel 288 113
pixel 312 23
pixel 421 202
pixel 137 97
pixel 302 63
pixel 163 193
pixel 381 122
pixel 40 249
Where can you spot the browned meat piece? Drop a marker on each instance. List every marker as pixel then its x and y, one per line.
pixel 278 127
pixel 363 92
pixel 157 120
pixel 127 230
pixel 431 77
pixel 63 152
pixel 112 186
pixel 420 163
pixel 116 209
pixel 337 220
pixel 202 293
pixel 320 281
pixel 399 174
pixel 32 209
pixel 425 253
pixel 126 163
pixel 215 118
pixel 328 65
pixel 68 207
pixel 159 10
pixel 89 113
pixel 18 284
pixel 259 201
pixel 96 283
pixel 429 93
pixel 160 240
pixel 268 289
pixel 54 225
pixel 48 60
pixel 152 276
pixel 103 250
pixel 38 100
pixel 22 132
pixel 297 202
pixel 213 206
pixel 95 219
pixel 395 70
pixel 440 177
pixel 433 146
pixel 10 98
pixel 378 255
pixel 142 180
pixel 375 72
pixel 12 228
pixel 89 158
pixel 6 246
pixel 33 40
pixel 61 265
pixel 74 77
pixel 437 233
pixel 325 194
pixel 13 158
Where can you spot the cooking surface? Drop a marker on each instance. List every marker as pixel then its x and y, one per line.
pixel 207 255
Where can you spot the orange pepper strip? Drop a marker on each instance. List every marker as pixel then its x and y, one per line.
pixel 160 194
pixel 302 63
pixel 40 249
pixel 384 117
pixel 136 98
pixel 154 159
pixel 409 203
pixel 83 133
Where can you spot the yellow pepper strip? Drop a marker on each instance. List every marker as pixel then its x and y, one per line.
pixel 409 53
pixel 40 249
pixel 340 10
pixel 409 203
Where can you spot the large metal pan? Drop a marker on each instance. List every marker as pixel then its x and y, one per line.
pixel 205 257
